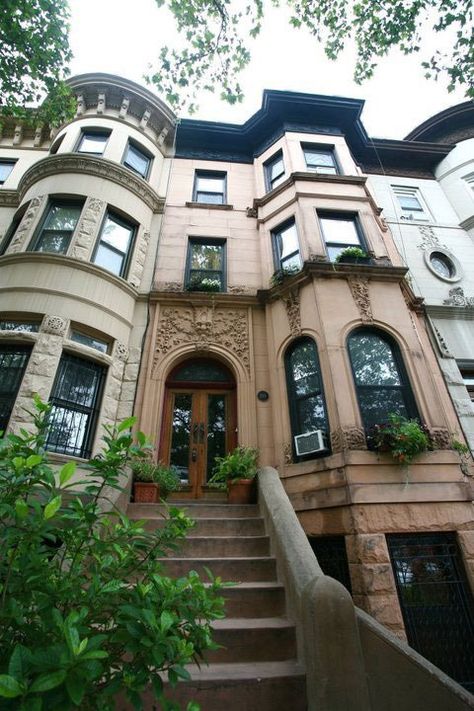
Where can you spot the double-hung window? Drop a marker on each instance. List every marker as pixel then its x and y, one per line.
pixel 274 171
pixel 305 393
pixel 320 160
pixel 340 230
pixel 286 247
pixel 114 245
pixel 206 265
pixel 75 401
pixel 93 141
pixel 6 167
pixel 210 187
pixel 410 203
pixel 137 159
pixel 56 230
pixel 13 361
pixel 380 377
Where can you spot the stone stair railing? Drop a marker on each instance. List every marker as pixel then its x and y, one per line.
pixel 352 661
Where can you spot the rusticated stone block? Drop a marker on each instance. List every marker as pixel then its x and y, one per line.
pixel 131 372
pixel 367 548
pixel 466 540
pixel 385 609
pixel 378 579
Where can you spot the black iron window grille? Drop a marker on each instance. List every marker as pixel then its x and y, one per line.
pixel 13 361
pixel 75 401
pixel 332 557
pixel 436 602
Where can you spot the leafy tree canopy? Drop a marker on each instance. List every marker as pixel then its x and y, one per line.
pixel 34 54
pixel 217 36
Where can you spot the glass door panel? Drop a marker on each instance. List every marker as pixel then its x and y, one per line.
pixel 180 433
pixel 216 430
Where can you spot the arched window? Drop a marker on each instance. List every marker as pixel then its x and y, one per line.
pixel 306 399
pixel 380 377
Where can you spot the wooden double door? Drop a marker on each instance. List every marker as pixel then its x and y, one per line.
pixel 199 425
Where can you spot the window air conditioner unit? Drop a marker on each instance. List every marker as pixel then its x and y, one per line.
pixel 311 442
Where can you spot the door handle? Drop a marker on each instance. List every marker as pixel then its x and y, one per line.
pixel 193 454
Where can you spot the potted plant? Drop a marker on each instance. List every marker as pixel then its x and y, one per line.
pixel 206 284
pixel 237 471
pixel 404 439
pixel 153 482
pixel 353 255
pixel 280 275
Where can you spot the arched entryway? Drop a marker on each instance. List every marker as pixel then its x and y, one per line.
pixel 199 421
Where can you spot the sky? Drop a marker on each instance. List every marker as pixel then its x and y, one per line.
pixel 124 38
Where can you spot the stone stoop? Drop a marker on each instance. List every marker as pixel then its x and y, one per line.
pixel 256 667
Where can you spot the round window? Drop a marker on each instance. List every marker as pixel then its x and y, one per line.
pixel 442 265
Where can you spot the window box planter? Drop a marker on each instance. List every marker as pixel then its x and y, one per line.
pixel 354 260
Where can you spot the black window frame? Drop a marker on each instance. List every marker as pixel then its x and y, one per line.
pixel 9 397
pixel 206 241
pixel 52 203
pixel 294 398
pixel 343 217
pixel 91 411
pixel 405 388
pixel 267 168
pixel 213 174
pixel 277 258
pixel 124 222
pixel 324 149
pixel 8 161
pixel 145 153
pixel 91 131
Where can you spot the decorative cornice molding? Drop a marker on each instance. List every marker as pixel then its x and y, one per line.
pixel 90 165
pixel 9 198
pixel 169 296
pixel 309 177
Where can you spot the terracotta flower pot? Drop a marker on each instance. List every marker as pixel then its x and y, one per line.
pixel 146 492
pixel 242 491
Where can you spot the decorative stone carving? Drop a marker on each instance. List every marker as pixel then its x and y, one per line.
pixel 121 351
pixel 145 119
pixel 87 229
pixel 252 212
pixel 429 240
pixel 359 287
pixel 18 135
pixel 24 228
pixel 55 325
pixel 174 286
pixel 139 259
pixel 98 167
pixel 441 437
pixel 9 198
pixel 38 136
pixel 288 453
pixel 81 105
pixel 317 257
pixel 348 438
pixel 202 326
pixel 124 107
pixel 458 298
pixel 292 306
pixel 162 136
pixel 101 103
pixel 238 289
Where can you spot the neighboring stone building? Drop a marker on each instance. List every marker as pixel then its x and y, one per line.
pixel 246 329
pixel 432 222
pixel 80 212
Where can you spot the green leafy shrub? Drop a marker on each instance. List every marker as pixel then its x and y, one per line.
pixel 205 284
pixel 85 611
pixel 241 463
pixel 145 469
pixel 280 275
pixel 355 252
pixel 403 438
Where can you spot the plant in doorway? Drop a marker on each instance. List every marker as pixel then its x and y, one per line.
pixel 153 481
pixel 237 471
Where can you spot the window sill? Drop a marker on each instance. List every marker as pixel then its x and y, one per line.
pixel 209 206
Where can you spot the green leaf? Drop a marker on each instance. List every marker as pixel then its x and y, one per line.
pixel 193 706
pixel 95 654
pixel 48 681
pixel 33 460
pixel 51 508
pixel 17 666
pixel 66 472
pixel 126 424
pixel 166 620
pixel 9 687
pixel 72 638
pixel 75 687
pixel 21 509
pixel 32 703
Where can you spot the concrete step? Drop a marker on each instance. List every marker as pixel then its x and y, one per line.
pixel 215 526
pixel 259 686
pixel 257 600
pixel 269 639
pixel 229 569
pixel 225 547
pixel 195 510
